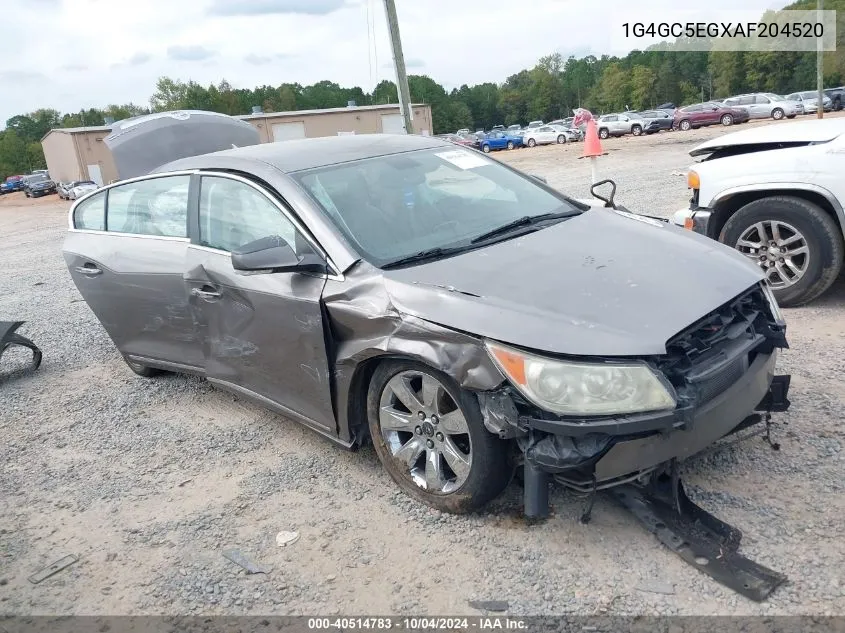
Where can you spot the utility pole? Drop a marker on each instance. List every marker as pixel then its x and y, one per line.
pixel 820 66
pixel 399 64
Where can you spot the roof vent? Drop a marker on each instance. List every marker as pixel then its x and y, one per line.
pixel 257 110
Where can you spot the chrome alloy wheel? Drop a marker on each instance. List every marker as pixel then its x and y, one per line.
pixel 425 430
pixel 779 249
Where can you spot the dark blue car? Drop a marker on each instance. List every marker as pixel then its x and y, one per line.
pixel 500 140
pixel 12 183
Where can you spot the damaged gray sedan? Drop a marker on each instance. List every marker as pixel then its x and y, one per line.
pixel 466 318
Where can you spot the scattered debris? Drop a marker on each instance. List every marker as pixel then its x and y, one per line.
pixel 239 559
pixel 283 539
pixel 679 173
pixel 489 605
pixel 182 483
pixel 656 586
pixel 46 572
pixel 110 557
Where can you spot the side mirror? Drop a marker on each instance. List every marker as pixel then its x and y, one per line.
pixel 540 178
pixel 275 254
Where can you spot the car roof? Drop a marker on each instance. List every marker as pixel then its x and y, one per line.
pixel 300 154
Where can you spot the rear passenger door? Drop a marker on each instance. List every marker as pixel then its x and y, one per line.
pixel 126 254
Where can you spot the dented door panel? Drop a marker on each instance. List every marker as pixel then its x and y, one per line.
pixel 262 332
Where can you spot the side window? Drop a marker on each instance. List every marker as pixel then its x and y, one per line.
pixel 611 119
pixel 761 99
pixel 91 214
pixel 233 214
pixel 157 206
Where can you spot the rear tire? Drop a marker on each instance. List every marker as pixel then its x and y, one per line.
pixel 777 114
pixel 143 370
pixel 821 234
pixel 410 457
pixel 603 133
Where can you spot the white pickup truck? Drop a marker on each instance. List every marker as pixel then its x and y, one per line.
pixel 776 194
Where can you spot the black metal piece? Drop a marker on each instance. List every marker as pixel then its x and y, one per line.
pixel 776 399
pixel 55 568
pixel 705 542
pixel 608 202
pixel 536 493
pixel 9 337
pixel 591 500
pixel 775 445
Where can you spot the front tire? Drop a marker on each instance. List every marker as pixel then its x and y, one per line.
pixel 727 120
pixel 485 149
pixel 531 142
pixel 777 114
pixel 431 440
pixel 796 243
pixel 637 130
pixel 685 125
pixel 510 145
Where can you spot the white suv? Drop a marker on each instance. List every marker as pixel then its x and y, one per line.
pixel 776 194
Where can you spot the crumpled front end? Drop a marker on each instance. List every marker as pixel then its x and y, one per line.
pixel 722 369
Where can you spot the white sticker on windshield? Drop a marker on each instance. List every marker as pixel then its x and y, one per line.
pixel 463 159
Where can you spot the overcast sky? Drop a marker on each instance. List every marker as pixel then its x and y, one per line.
pixel 78 54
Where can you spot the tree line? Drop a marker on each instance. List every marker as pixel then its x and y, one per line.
pixel 549 90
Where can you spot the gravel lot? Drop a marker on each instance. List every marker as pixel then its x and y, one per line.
pixel 148 481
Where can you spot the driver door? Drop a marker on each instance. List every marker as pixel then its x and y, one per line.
pixel 262 332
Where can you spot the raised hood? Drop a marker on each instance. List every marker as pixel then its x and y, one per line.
pixel 140 144
pixel 599 284
pixel 778 134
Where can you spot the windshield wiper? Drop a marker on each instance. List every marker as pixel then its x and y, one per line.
pixel 431 253
pixel 526 220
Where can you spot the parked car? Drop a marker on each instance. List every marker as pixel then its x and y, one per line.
pixel 810 100
pixel 570 133
pixel 447 337
pixel 63 188
pixel 836 96
pixel 619 125
pixel 667 107
pixel 514 129
pixel 776 194
pixel 11 184
pixel 655 120
pixel 462 132
pixel 533 124
pixel 497 128
pixel 81 188
pixel 500 140
pixel 764 105
pixel 707 113
pixel 544 135
pixel 38 185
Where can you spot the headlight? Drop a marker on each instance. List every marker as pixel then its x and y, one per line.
pixel 773 303
pixel 578 388
pixel 693 180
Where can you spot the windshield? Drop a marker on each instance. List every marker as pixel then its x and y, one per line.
pixel 394 206
pixel 37 178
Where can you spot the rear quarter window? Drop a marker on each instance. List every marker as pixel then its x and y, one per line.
pixel 90 214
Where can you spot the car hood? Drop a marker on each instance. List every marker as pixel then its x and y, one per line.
pixel 599 284
pixel 814 131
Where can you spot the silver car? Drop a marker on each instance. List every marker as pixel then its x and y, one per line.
pixel 401 290
pixel 764 105
pixel 809 99
pixel 619 125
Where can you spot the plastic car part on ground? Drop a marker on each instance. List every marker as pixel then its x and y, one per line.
pixel 9 337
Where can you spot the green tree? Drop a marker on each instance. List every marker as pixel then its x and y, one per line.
pixel 643 80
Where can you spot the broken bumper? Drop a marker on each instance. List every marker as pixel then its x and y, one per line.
pixel 693 219
pixel 612 450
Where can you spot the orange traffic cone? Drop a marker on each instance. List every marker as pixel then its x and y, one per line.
pixel 592 144
pixel 592 147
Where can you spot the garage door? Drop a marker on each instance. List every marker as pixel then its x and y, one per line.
pixel 392 124
pixel 288 131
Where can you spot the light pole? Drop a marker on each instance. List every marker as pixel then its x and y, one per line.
pixel 399 63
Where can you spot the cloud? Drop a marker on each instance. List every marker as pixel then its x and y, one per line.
pixel 258 60
pixel 20 76
pixel 413 62
pixel 269 7
pixel 139 58
pixel 190 53
pixel 74 67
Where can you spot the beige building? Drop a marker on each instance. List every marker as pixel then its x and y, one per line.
pixel 80 153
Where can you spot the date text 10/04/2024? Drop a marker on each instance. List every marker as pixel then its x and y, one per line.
pixel 418 624
pixel 724 29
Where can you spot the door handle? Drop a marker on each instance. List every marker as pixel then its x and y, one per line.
pixel 89 270
pixel 208 295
